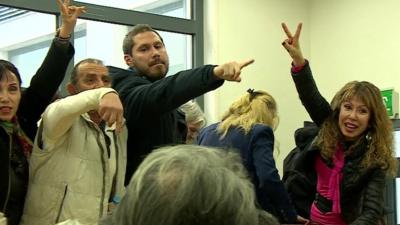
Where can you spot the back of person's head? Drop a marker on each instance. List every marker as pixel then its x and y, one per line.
pixel 75 71
pixel 378 132
pixel 188 184
pixel 193 113
pixel 254 107
pixel 6 66
pixel 195 119
pixel 137 29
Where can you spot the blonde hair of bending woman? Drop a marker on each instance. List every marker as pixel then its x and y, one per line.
pixel 255 107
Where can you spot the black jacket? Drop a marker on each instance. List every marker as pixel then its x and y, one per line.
pixel 34 100
pixel 362 190
pixel 150 107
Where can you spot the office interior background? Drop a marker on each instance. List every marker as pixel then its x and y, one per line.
pixel 344 40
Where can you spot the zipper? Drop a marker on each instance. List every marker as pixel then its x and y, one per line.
pixel 62 204
pixel 116 180
pixel 9 177
pixel 103 163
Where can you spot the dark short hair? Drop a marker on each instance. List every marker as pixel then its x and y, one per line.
pixel 138 29
pixel 74 74
pixel 6 66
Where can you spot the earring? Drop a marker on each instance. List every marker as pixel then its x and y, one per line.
pixel 368 137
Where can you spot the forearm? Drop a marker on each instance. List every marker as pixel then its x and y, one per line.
pixel 316 105
pixel 52 71
pixel 60 115
pixel 169 93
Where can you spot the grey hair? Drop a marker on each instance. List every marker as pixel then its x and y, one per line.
pixel 193 113
pixel 188 184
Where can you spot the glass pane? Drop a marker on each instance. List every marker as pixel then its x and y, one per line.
pixel 396 135
pixel 397 200
pixel 104 41
pixel 179 48
pixel 174 8
pixel 27 49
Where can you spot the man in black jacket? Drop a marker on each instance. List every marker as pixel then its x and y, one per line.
pixel 151 100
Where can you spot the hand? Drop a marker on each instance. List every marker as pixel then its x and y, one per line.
pixel 111 208
pixel 111 110
pixel 302 220
pixel 291 44
pixel 231 71
pixel 69 15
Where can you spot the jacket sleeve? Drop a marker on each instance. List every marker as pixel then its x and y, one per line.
pixel 60 115
pixel 372 206
pixel 269 181
pixel 316 105
pixel 44 84
pixel 155 98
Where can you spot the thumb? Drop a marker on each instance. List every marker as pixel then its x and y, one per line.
pixel 218 70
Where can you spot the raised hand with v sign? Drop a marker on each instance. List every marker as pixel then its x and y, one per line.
pixel 291 44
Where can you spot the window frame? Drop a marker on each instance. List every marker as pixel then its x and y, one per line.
pixel 193 26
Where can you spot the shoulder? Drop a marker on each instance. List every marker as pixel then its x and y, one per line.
pixel 210 128
pixel 209 131
pixel 261 129
pixel 122 76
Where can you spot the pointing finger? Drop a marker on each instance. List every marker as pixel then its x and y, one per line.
pixel 245 63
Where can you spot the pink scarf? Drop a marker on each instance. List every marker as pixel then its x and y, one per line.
pixel 336 178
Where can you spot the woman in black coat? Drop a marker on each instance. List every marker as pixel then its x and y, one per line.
pixel 21 110
pixel 353 153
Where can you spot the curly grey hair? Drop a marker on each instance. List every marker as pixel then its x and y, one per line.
pixel 188 184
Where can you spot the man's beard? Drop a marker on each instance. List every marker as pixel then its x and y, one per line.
pixel 152 76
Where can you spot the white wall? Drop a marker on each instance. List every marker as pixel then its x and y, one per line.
pixel 343 39
pixel 355 40
pixel 252 29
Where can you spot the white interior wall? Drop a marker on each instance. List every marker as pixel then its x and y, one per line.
pixel 238 30
pixel 355 40
pixel 344 40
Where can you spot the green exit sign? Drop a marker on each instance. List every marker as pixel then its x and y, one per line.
pixel 391 100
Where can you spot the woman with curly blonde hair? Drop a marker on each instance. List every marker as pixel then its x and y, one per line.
pixel 248 127
pixel 348 162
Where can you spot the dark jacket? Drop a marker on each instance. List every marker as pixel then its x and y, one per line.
pixel 300 181
pixel 256 149
pixel 34 100
pixel 150 107
pixel 362 190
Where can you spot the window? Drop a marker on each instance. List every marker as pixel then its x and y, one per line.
pixel 174 8
pixel 100 32
pixel 25 49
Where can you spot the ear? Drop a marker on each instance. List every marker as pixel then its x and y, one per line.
pixel 129 60
pixel 71 89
